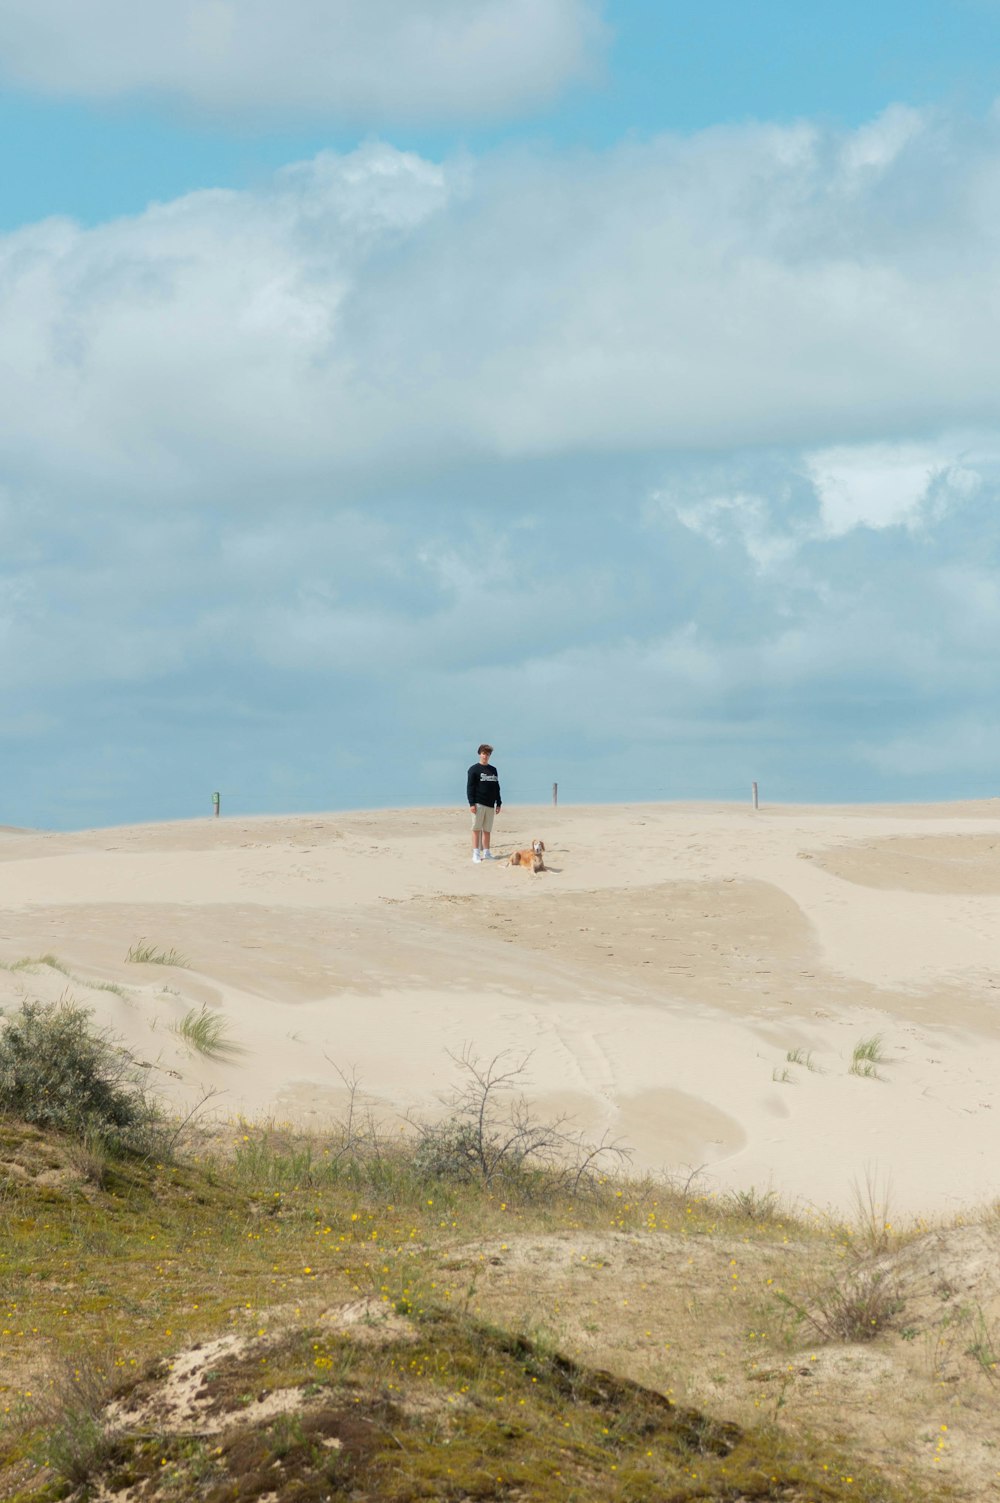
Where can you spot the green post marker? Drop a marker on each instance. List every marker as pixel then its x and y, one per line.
pixel 215 805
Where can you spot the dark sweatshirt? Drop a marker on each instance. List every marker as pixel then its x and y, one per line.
pixel 482 786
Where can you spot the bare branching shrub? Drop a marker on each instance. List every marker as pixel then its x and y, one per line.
pixel 58 1072
pixel 490 1134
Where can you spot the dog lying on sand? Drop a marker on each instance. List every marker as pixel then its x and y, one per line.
pixel 532 860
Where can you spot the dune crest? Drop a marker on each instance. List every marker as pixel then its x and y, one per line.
pixel 695 979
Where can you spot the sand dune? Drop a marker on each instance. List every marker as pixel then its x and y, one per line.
pixel 659 974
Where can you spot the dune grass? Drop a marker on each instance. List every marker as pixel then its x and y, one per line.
pixel 866 1057
pixel 32 963
pixel 802 1057
pixel 141 952
pixel 207 1032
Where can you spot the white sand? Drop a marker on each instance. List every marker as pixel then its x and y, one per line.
pixel 658 974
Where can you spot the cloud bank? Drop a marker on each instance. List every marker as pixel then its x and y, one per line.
pixel 359 61
pixel 373 312
pixel 677 466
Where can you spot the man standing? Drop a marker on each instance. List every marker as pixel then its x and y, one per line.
pixel 482 787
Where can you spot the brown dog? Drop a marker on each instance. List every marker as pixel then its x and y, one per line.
pixel 532 860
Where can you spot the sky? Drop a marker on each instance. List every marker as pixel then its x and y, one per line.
pixel 614 382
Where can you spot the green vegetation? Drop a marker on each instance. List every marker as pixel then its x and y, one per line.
pixel 802 1057
pixel 57 1072
pixel 33 962
pixel 417 1396
pixel 344 1316
pixel 207 1033
pixel 867 1055
pixel 143 953
pixel 754 1204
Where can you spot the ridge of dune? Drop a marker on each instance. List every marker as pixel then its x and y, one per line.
pixel 660 974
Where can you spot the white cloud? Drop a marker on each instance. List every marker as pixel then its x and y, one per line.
pixel 372 448
pixel 879 143
pixel 367 61
pixel 738 517
pixel 877 485
pixel 376 311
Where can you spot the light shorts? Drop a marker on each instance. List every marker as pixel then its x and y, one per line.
pixel 483 818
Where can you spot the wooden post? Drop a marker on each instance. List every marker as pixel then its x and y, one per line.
pixel 755 801
pixel 215 804
pixel 555 794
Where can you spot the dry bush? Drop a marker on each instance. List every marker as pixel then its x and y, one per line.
pixel 858 1303
pixel 491 1136
pixel 75 1437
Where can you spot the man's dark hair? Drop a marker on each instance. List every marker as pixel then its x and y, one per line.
pixel 484 748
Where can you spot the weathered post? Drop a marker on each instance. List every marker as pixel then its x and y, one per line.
pixel 555 794
pixel 215 805
pixel 755 800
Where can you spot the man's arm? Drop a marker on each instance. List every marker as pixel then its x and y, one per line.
pixel 472 786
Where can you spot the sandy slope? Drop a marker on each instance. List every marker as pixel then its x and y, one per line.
pixel 658 974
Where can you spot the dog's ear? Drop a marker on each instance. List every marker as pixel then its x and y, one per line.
pixel 541 845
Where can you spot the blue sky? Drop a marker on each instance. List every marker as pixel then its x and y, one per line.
pixel 618 383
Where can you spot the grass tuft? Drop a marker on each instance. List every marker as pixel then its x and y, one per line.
pixel 753 1204
pixel 143 953
pixel 866 1056
pixel 74 1439
pixel 207 1033
pixel 802 1057
pixel 30 962
pixel 859 1303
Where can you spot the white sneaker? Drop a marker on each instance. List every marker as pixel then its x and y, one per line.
pixel 487 856
pixel 476 856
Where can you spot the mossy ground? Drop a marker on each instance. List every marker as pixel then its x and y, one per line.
pixel 463 1368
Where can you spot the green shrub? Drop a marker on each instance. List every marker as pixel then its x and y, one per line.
pixel 58 1072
